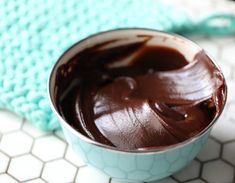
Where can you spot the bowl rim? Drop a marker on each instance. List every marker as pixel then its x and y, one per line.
pixel 150 150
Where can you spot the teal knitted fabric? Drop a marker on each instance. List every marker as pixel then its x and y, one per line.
pixel 33 34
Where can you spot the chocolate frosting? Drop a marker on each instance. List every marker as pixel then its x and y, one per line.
pixel 157 99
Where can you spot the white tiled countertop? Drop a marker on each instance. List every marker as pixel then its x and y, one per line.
pixel 32 156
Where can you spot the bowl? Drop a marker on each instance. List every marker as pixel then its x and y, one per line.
pixel 132 165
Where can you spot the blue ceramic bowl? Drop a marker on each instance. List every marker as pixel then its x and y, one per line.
pixel 134 165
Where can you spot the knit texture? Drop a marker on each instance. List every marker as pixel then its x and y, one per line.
pixel 33 34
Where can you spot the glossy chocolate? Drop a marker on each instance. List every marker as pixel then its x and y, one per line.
pixel 157 99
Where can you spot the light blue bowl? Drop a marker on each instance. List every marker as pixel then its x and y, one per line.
pixel 135 165
pixel 130 166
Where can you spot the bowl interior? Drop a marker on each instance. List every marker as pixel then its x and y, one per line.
pixel 124 36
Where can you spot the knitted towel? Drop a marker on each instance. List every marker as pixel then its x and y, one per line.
pixel 33 34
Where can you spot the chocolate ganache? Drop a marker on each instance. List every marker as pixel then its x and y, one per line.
pixel 137 96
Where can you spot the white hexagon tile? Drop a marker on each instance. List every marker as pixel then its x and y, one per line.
pixel 29 155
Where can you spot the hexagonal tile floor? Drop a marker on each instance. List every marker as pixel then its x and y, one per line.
pixel 29 155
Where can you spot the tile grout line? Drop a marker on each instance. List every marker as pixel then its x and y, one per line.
pixel 76 174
